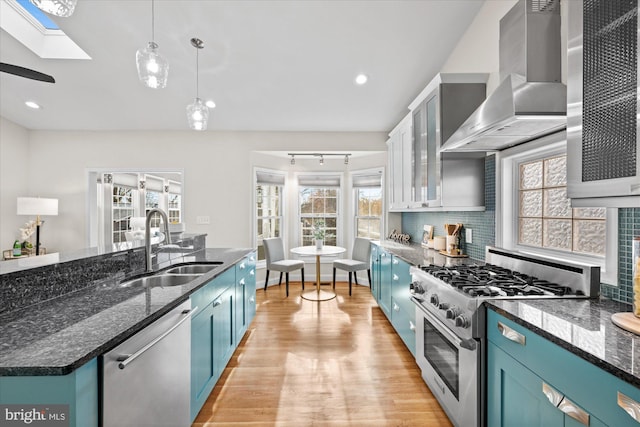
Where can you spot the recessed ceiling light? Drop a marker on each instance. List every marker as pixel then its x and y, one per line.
pixel 32 104
pixel 210 104
pixel 361 79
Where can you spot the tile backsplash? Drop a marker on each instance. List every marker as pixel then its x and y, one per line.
pixel 483 225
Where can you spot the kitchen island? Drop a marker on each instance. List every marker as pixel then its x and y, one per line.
pixel 49 350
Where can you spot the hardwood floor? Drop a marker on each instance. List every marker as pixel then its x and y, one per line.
pixel 333 363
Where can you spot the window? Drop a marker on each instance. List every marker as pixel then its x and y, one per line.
pixel 122 208
pixel 175 201
pixel 545 216
pixel 368 205
pixel 318 202
pixel 269 203
pixel 534 215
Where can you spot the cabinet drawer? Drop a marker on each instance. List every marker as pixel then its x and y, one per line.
pixel 589 386
pixel 213 289
pixel 404 322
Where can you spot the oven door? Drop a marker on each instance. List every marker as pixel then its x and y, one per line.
pixel 449 367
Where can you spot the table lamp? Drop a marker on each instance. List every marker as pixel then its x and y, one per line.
pixel 37 206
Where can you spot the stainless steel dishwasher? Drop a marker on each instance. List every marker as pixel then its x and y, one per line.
pixel 146 379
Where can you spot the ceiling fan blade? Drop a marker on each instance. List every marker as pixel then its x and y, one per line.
pixel 26 72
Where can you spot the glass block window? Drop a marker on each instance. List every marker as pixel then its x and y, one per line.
pixel 317 205
pixel 122 209
pixel 545 216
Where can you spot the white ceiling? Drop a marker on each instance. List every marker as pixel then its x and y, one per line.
pixel 268 65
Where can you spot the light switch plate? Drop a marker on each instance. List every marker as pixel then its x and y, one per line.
pixel 468 236
pixel 203 219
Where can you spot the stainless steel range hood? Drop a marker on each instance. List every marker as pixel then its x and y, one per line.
pixel 531 101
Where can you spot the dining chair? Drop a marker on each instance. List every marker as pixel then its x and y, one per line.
pixel 360 260
pixel 274 254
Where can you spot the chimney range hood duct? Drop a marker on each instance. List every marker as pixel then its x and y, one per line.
pixel 531 101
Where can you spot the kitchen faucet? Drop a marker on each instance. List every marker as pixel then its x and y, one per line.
pixel 147 234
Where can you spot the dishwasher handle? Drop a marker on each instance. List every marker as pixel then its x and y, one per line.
pixel 125 359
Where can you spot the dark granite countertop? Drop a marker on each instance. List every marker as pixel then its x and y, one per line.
pixel 583 327
pixel 60 335
pixel 416 254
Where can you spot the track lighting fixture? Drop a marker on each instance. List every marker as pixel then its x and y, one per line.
pixel 320 155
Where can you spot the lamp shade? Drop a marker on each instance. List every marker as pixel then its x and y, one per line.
pixel 37 206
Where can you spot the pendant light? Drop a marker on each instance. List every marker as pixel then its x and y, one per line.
pixel 63 8
pixel 153 68
pixel 197 112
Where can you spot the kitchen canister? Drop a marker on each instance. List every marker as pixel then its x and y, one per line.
pixel 635 259
pixel 439 243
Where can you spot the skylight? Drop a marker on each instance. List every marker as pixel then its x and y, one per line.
pixel 42 17
pixel 33 28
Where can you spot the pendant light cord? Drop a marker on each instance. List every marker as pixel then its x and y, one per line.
pixel 153 35
pixel 197 71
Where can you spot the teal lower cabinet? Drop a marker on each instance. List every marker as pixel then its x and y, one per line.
pixel 403 310
pixel 245 294
pixel 212 336
pixel 534 382
pixel 226 307
pixel 78 390
pixel 404 322
pixel 384 300
pixel 390 280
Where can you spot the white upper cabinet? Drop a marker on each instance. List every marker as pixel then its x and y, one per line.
pixel 422 177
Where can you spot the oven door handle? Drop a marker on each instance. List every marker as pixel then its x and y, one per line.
pixel 442 328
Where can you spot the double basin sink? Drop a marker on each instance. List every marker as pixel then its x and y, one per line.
pixel 173 276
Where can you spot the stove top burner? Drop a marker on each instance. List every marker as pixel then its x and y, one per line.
pixel 492 280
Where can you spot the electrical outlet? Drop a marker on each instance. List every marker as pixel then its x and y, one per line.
pixel 203 219
pixel 468 236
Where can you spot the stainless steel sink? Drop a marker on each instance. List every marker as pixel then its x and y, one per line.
pixel 193 268
pixel 162 280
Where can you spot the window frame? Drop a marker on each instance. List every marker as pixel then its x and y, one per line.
pixel 355 199
pixel 254 214
pixel 507 204
pixel 339 203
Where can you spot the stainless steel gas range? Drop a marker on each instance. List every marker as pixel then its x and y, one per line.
pixel 450 318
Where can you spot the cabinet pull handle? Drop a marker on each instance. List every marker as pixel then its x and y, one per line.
pixel 574 411
pixel 395 262
pixel 395 277
pixel 396 307
pixel 552 394
pixel 630 406
pixel 125 359
pixel 412 327
pixel 241 283
pixel 241 266
pixel 511 334
pixel 217 303
pixel 561 402
pixel 252 300
pixel 252 273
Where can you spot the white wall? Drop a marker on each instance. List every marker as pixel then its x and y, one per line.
pixel 217 173
pixel 477 50
pixel 14 179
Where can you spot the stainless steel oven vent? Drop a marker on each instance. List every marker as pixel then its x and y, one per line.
pixel 531 101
